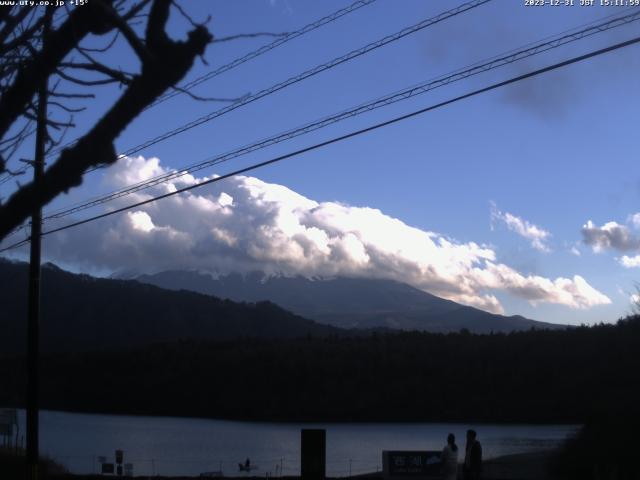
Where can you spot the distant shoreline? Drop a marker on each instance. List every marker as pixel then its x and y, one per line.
pixel 297 420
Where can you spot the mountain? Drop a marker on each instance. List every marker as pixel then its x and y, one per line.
pixel 348 302
pixel 80 312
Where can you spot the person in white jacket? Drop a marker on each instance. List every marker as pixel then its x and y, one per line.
pixel 450 458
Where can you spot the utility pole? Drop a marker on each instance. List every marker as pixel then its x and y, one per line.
pixel 33 320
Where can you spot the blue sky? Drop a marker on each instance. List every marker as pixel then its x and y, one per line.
pixel 497 171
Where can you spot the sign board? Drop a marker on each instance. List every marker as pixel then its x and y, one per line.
pixel 119 456
pixel 313 455
pixel 414 463
pixel 108 468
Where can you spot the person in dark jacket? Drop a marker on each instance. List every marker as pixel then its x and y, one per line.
pixel 473 457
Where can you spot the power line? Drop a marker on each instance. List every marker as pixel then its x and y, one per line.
pixel 305 75
pixel 250 56
pixel 460 74
pixel 16 245
pixel 264 49
pixel 601 27
pixel 316 146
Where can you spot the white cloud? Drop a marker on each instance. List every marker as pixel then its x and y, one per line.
pixel 245 224
pixel 630 262
pixel 134 170
pixel 141 221
pixel 611 235
pixel 536 235
pixel 635 220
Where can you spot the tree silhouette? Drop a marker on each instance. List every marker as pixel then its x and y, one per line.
pixel 33 49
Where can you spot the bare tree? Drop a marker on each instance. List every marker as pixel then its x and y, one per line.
pixel 32 49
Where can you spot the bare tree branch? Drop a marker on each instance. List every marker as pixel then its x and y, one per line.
pixel 25 36
pixel 208 99
pixel 52 123
pixel 11 22
pixel 136 44
pixel 135 10
pixel 188 17
pixel 80 23
pixel 122 77
pixel 86 83
pixel 71 95
pixel 109 44
pixel 66 108
pixel 165 64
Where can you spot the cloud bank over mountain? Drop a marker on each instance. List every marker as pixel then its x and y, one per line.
pixel 244 224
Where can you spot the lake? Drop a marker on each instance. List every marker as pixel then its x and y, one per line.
pixel 189 446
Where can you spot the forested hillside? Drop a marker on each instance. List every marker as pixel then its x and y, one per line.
pixel 535 376
pixel 81 313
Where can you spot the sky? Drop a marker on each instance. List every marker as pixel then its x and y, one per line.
pixel 522 200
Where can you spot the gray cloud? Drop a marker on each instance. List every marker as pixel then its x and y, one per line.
pixel 546 99
pixel 552 94
pixel 610 236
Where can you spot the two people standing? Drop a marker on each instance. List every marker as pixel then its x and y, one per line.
pixel 472 458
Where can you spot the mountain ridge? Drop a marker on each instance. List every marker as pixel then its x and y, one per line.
pixel 348 302
pixel 80 312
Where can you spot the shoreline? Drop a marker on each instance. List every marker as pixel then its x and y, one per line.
pixel 309 421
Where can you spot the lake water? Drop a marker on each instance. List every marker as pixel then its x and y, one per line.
pixel 188 446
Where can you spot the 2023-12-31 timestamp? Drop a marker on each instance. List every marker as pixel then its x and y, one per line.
pixel 581 3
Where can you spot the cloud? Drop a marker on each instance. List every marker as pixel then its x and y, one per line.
pixel 141 221
pixel 630 262
pixel 244 224
pixel 634 220
pixel 611 235
pixel 536 235
pixel 535 96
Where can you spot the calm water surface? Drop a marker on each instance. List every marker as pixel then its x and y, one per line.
pixel 187 446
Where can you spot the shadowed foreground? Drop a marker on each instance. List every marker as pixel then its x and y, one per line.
pixel 526 466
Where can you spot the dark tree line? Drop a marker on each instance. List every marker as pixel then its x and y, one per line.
pixel 534 376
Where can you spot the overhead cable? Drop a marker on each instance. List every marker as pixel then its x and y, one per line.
pixel 341 138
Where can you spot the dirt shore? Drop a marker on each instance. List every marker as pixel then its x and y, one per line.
pixel 523 466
